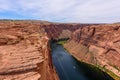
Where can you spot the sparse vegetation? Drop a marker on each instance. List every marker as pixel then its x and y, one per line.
pixel 111 74
pixel 62 42
pixel 114 76
pixel 116 68
pixel 96 67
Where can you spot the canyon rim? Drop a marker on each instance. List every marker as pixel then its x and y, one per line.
pixel 25 52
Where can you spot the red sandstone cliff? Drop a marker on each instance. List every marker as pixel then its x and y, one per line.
pixel 58 31
pixel 25 52
pixel 98 45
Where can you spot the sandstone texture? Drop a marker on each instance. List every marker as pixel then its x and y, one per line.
pixel 25 52
pixel 25 48
pixel 62 30
pixel 98 45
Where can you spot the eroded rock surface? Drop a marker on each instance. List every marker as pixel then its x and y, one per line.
pixel 25 47
pixel 25 52
pixel 58 31
pixel 98 45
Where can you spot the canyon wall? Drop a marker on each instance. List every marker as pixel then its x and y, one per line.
pixel 98 45
pixel 25 48
pixel 61 30
pixel 25 52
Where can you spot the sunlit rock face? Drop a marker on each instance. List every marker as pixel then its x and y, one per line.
pixel 25 52
pixel 25 48
pixel 98 45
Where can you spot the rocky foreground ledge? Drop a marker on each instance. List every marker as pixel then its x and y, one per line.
pixel 25 52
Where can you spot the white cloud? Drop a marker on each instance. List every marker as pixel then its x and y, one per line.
pixel 4 5
pixel 65 10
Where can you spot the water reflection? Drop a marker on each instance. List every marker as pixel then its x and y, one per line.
pixel 68 68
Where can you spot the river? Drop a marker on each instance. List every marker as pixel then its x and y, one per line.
pixel 68 68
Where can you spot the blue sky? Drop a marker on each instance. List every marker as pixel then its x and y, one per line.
pixel 80 11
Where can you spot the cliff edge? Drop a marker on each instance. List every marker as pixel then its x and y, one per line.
pixel 25 52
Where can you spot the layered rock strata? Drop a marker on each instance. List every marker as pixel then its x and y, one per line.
pixel 25 52
pixel 62 30
pixel 97 45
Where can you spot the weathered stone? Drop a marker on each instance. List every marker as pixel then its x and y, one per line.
pixel 101 42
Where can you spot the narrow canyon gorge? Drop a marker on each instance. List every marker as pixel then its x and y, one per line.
pixel 25 52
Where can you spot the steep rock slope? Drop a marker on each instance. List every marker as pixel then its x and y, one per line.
pixel 62 30
pixel 25 52
pixel 98 45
